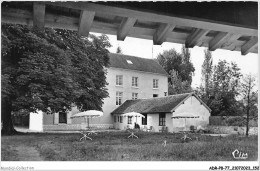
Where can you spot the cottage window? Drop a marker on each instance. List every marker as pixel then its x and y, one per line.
pixel 155 83
pixel 144 120
pixel 118 119
pixel 161 119
pixel 129 121
pixel 119 80
pixel 119 97
pixel 134 96
pixel 121 119
pixel 62 117
pixel 155 95
pixel 114 118
pixel 135 81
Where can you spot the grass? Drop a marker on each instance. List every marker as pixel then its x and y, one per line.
pixel 114 146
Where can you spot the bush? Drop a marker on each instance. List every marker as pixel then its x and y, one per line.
pixel 235 121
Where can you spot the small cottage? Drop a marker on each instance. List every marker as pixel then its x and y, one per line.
pixel 162 112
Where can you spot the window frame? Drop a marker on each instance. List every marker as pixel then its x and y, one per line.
pixel 119 80
pixel 134 96
pixel 162 119
pixel 129 120
pixel 65 118
pixel 157 95
pixel 135 81
pixel 144 120
pixel 155 83
pixel 121 119
pixel 119 98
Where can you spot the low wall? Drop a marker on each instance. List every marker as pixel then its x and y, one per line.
pixel 232 130
pixel 74 127
pixel 231 121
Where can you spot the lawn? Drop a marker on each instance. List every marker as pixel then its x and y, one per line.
pixel 114 146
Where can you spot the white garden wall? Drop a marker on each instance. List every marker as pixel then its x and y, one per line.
pixel 36 121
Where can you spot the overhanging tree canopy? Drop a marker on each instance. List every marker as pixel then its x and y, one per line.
pixel 51 70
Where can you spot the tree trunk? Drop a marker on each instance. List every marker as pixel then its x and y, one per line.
pixel 7 122
pixel 247 121
pixel 248 108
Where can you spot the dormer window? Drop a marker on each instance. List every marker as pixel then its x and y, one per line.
pixel 129 62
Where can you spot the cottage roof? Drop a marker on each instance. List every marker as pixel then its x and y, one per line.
pixel 135 63
pixel 155 105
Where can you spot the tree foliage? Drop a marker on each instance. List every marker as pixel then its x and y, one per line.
pixel 206 71
pixel 51 70
pixel 176 86
pixel 179 67
pixel 223 89
pixel 249 96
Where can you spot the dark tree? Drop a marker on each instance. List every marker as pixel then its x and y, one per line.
pixel 180 62
pixel 50 70
pixel 206 71
pixel 224 89
pixel 249 95
pixel 176 86
pixel 187 68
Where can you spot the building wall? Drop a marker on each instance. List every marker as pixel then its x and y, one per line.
pixel 232 130
pixel 36 121
pixel 48 119
pixel 191 105
pixel 231 121
pixel 124 124
pixel 53 119
pixel 144 90
pixel 145 86
pixel 153 120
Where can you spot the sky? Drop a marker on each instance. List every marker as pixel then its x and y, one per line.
pixel 145 49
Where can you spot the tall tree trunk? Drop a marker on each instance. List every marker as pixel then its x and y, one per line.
pixel 248 107
pixel 7 122
pixel 247 121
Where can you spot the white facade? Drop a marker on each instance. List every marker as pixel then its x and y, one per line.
pixel 144 90
pixel 36 121
pixel 191 105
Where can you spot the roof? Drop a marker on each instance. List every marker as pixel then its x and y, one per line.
pixel 138 64
pixel 217 25
pixel 155 105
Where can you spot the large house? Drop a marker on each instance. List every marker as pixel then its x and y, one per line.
pixel 128 77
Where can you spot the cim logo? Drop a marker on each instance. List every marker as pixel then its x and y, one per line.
pixel 239 155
